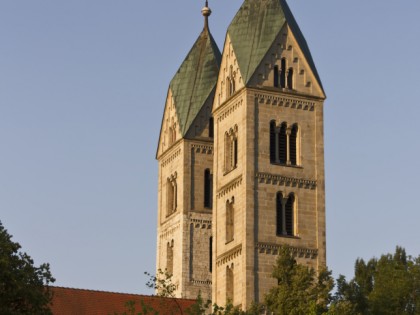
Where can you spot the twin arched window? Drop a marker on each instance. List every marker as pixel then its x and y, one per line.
pixel 285 212
pixel 284 143
pixel 283 77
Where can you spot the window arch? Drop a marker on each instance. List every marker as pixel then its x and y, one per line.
pixel 290 79
pixel 171 195
pixel 208 187
pixel 230 220
pixel 285 213
pixel 282 143
pixel 290 210
pixel 170 257
pixel 283 73
pixel 294 145
pixel 229 283
pixel 273 147
pixel 231 149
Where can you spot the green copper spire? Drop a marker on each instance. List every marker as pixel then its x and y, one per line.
pixel 196 79
pixel 254 29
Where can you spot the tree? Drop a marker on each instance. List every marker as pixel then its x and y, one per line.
pixel 23 287
pixel 389 285
pixel 300 290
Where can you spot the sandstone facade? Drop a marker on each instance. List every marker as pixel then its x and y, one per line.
pixel 256 139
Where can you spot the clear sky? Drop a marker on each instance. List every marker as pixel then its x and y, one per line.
pixel 82 90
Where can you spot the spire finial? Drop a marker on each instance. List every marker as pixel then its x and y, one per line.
pixel 206 13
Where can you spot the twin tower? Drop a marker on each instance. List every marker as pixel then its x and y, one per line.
pixel 241 158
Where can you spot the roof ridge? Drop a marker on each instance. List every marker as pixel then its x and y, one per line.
pixel 119 293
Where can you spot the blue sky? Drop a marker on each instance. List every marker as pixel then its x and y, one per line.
pixel 82 91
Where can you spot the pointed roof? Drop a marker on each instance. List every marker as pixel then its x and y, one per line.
pixel 254 29
pixel 196 79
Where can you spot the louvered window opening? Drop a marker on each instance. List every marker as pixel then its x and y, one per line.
pixel 283 144
pixel 285 210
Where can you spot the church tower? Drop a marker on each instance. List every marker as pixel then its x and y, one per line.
pixel 185 158
pixel 268 169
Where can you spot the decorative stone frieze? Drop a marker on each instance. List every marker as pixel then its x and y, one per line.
pixel 169 231
pixel 201 282
pixel 200 223
pixel 274 249
pixel 273 179
pixel 285 101
pixel 201 148
pixel 229 110
pixel 229 186
pixel 171 157
pixel 229 256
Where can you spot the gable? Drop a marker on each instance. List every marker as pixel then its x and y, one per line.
pixel 254 30
pixel 169 130
pixel 230 78
pixel 285 59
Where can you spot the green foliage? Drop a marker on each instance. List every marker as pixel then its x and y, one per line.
pixel 161 283
pixel 389 285
pixel 23 287
pixel 300 291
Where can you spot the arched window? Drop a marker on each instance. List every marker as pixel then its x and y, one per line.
pixel 211 127
pixel 284 144
pixel 290 79
pixel 208 187
pixel 290 209
pixel 276 76
pixel 230 220
pixel 211 254
pixel 283 73
pixel 171 190
pixel 231 149
pixel 285 211
pixel 170 136
pixel 279 214
pixel 282 140
pixel 170 257
pixel 235 152
pixel 273 147
pixel 229 284
pixel 294 145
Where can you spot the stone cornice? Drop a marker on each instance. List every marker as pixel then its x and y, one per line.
pixel 228 109
pixel 202 148
pixel 201 282
pixel 170 230
pixel 171 157
pixel 229 186
pixel 284 101
pixel 230 255
pixel 279 180
pixel 273 249
pixel 201 223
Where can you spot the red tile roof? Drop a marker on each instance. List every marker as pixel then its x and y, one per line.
pixel 68 301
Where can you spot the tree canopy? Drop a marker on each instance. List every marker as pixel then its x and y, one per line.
pixel 23 286
pixel 389 285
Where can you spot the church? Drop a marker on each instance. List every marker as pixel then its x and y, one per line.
pixel 241 158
